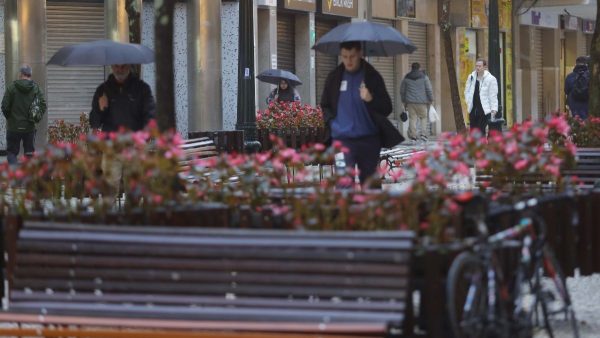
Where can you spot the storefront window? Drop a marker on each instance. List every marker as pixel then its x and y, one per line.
pixel 406 8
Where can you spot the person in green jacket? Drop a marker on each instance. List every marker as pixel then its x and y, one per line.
pixel 21 98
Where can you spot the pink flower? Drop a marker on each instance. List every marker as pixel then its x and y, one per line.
pixel 482 163
pixel 521 164
pixel 462 169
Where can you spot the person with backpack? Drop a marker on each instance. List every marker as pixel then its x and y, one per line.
pixel 577 88
pixel 23 106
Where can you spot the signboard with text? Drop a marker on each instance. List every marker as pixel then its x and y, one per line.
pixel 569 22
pixel 588 26
pixel 301 5
pixel 340 7
pixel 540 19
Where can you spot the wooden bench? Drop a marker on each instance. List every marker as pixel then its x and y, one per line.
pixel 587 167
pixel 225 141
pixel 123 281
pixel 395 157
pixel 586 173
pixel 202 147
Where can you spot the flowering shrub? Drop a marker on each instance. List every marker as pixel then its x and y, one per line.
pixel 585 133
pixel 289 115
pixel 506 158
pixel 62 131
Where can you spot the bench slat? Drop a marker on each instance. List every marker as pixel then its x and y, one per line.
pixel 208 313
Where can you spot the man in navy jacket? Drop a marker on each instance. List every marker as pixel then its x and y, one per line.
pixel 353 101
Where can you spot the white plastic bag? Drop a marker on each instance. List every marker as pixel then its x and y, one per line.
pixel 433 115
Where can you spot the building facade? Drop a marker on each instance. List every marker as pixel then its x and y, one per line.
pixel 538 48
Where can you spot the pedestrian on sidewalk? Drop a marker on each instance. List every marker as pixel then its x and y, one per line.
pixel 123 101
pixel 355 104
pixel 23 106
pixel 416 95
pixel 284 93
pixel 481 94
pixel 577 88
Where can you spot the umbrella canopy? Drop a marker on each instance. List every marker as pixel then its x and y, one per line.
pixel 377 39
pixel 102 53
pixel 274 76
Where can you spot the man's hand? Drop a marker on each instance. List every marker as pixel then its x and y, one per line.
pixel 365 94
pixel 103 102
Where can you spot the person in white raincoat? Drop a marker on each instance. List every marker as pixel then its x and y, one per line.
pixel 481 94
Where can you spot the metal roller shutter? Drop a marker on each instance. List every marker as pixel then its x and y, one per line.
pixel 286 45
pixel 324 63
pixel 417 33
pixel 70 89
pixel 587 44
pixel 386 67
pixel 538 45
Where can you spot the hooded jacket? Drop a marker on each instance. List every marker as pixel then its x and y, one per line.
pixel 488 92
pixel 130 105
pixel 577 107
pixel 416 88
pixel 379 108
pixel 16 103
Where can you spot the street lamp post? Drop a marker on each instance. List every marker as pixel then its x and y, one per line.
pixel 246 107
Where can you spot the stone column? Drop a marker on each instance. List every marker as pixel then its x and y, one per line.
pixel 551 70
pixel 267 49
pixel 305 56
pixel 25 42
pixel 204 66
pixel 116 20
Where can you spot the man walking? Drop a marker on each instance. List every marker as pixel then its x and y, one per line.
pixel 577 88
pixel 416 95
pixel 123 101
pixel 481 94
pixel 22 98
pixel 354 101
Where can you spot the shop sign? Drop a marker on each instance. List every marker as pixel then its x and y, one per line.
pixel 479 13
pixel 406 8
pixel 540 19
pixel 301 5
pixel 340 7
pixel 569 22
pixel 588 26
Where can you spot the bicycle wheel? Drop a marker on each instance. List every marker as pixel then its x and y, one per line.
pixel 554 297
pixel 466 290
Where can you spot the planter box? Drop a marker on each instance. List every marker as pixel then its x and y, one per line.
pixel 293 138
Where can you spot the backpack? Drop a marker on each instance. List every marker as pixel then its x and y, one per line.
pixel 35 109
pixel 581 87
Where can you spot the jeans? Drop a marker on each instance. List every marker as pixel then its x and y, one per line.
pixel 363 153
pixel 13 144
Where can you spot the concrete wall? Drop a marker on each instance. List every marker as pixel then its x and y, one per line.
pixel 229 53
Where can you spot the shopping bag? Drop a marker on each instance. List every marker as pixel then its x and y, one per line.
pixel 433 115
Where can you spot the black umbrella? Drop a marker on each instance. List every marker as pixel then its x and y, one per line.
pixel 377 39
pixel 102 53
pixel 274 76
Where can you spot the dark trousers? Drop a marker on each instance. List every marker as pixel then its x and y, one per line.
pixel 13 144
pixel 478 119
pixel 364 153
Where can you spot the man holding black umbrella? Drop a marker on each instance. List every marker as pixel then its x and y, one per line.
pixel 354 100
pixel 123 101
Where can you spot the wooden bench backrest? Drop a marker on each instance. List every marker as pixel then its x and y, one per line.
pixel 211 274
pixel 226 141
pixel 587 166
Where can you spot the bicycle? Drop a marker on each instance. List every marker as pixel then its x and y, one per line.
pixel 482 302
